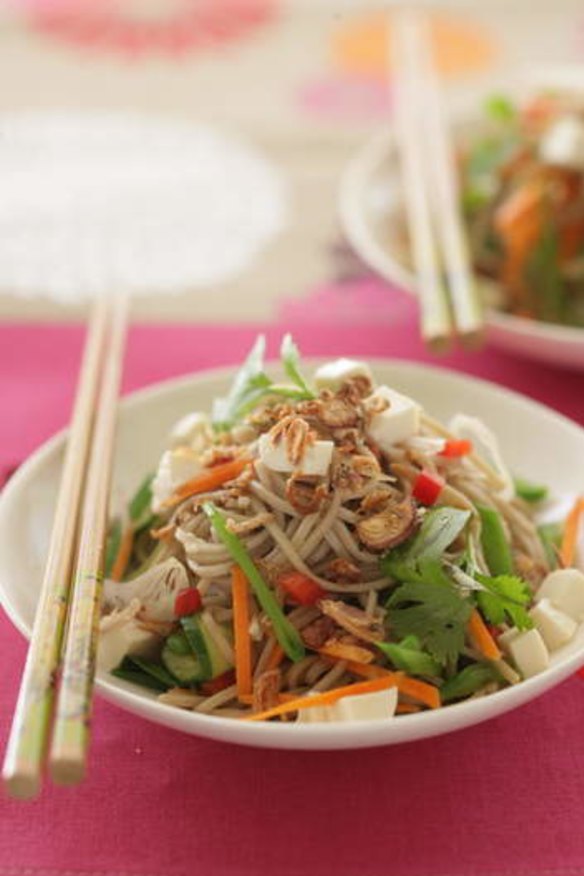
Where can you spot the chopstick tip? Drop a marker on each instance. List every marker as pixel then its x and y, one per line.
pixel 21 786
pixel 66 771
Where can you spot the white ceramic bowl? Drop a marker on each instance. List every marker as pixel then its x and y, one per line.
pixel 527 431
pixel 370 207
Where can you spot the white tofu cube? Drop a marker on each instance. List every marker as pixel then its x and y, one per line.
pixel 398 422
pixel 505 639
pixel 555 626
pixel 365 707
pixel 175 468
pixel 563 143
pixel 315 461
pixel 377 706
pixel 527 649
pixel 565 589
pixel 334 374
pixel 314 715
pixel 192 431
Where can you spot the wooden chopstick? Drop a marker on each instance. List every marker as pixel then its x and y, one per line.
pixel 436 318
pixel 432 165
pixel 466 305
pixel 31 723
pixel 73 709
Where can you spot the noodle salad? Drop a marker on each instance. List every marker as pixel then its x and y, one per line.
pixel 323 550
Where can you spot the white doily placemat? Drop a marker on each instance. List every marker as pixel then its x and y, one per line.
pixel 154 204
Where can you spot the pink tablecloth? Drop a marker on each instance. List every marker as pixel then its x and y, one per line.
pixel 502 799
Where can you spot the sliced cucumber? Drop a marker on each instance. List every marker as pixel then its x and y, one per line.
pixel 219 662
pixel 177 642
pixel 155 670
pixel 213 662
pixel 128 670
pixel 184 667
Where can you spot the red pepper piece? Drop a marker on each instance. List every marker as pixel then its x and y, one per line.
pixel 214 685
pixel 427 487
pixel 188 601
pixel 456 447
pixel 300 588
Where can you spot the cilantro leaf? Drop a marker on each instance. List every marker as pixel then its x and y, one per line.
pixel 248 380
pixel 291 360
pixel 431 608
pixel 504 600
pixel 252 384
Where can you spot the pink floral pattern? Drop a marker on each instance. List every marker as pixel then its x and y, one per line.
pixel 144 27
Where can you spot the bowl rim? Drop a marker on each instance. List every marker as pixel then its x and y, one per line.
pixel 309 736
pixel 355 178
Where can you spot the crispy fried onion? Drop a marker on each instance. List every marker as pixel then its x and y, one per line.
pixel 266 689
pixel 354 620
pixel 389 525
pixel 297 435
pixel 305 492
pixel 352 472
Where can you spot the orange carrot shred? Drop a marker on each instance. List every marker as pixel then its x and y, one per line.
pixel 412 687
pixel 570 537
pixel 407 708
pixel 481 637
pixel 342 651
pixel 420 690
pixel 208 479
pixel 369 671
pixel 327 698
pixel 275 657
pixel 123 555
pixel 240 594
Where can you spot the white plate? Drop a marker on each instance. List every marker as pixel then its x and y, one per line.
pixel 369 203
pixel 528 432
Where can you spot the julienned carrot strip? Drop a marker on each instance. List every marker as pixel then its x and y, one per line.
pixel 323 699
pixel 570 537
pixel 420 690
pixel 240 595
pixel 123 555
pixel 407 708
pixel 481 637
pixel 412 687
pixel 341 651
pixel 370 671
pixel 247 699
pixel 207 480
pixel 275 657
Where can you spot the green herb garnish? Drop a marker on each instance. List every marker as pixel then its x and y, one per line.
pixel 530 492
pixel 468 681
pixel 431 608
pixel 500 108
pixel 409 656
pixel 494 542
pixel 504 600
pixel 440 527
pixel 550 535
pixel 252 384
pixel 112 546
pixel 290 356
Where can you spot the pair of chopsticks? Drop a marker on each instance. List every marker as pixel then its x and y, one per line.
pixel 52 714
pixel 449 302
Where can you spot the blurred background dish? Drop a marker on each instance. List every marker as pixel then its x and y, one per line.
pixel 371 212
